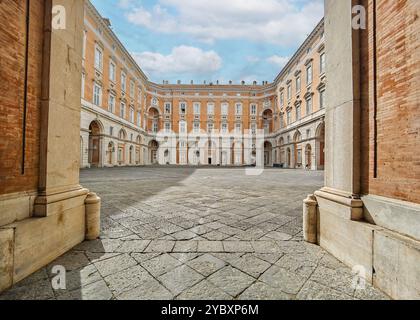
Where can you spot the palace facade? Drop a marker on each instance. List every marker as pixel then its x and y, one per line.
pixel 128 120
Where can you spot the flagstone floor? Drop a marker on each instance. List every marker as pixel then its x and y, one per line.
pixel 186 233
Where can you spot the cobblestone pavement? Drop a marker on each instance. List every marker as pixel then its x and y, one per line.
pixel 184 233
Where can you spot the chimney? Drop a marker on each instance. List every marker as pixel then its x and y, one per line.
pixel 243 82
pixel 217 82
pixel 230 81
pixel 255 83
pixel 192 81
pixel 179 82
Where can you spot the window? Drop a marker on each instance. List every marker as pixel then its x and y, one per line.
pixel 238 128
pixel 154 101
pixel 309 74
pixel 196 127
pixel 298 84
pixel 139 119
pixel 253 129
pixel 253 109
pixel 97 94
pixel 112 71
pixel 84 44
pixel 225 109
pixel 155 127
pixel 167 126
pixel 210 127
pixel 196 108
pixel 238 109
pixel 98 58
pixel 182 127
pixel 322 99
pixel 139 96
pixel 322 63
pixel 123 81
pixel 289 91
pixel 289 117
pixel 281 99
pixel 308 105
pixel 298 112
pixel 111 131
pixel 182 108
pixel 83 85
pixel 224 127
pixel 132 88
pixel 111 103
pixel 132 115
pixel 167 108
pixel 210 108
pixel 122 110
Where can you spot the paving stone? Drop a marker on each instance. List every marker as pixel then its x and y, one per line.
pixel 185 256
pixel 297 263
pixel 39 290
pixel 315 291
pixel 141 257
pixel 204 290
pixel 160 246
pixel 180 278
pixel 238 246
pixel 210 246
pixel 80 278
pixel 133 246
pixel 283 279
pixel 127 279
pixel 114 264
pixel 95 291
pixel 231 280
pixel 99 245
pixel 334 279
pixel 184 235
pixel 206 264
pixel 265 246
pixel 215 235
pixel 251 265
pixel 160 264
pixel 262 291
pixel 278 236
pixel 71 260
pixel 185 246
pixel 149 290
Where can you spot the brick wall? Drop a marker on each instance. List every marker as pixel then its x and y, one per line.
pixel 12 61
pixel 398 101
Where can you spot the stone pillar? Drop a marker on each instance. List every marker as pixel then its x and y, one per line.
pixel 310 219
pixel 339 201
pixel 93 218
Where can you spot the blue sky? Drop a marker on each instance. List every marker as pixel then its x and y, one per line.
pixel 211 39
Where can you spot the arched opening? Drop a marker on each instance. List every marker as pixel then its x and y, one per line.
pixel 268 149
pixel 131 155
pixel 320 147
pixel 166 157
pixel 298 149
pixel 289 158
pixel 153 125
pixel 110 153
pixel 122 136
pixel 267 119
pixel 153 151
pixel 94 154
pixel 281 151
pixel 237 153
pixel 308 157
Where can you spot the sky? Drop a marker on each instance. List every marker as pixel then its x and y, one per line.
pixel 209 40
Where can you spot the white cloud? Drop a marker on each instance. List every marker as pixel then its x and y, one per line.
pixel 278 60
pixel 275 21
pixel 125 3
pixel 182 60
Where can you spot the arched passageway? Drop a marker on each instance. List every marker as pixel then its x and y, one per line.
pixel 153 151
pixel 94 154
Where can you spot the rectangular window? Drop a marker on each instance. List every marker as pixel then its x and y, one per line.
pixel 112 71
pixel 289 117
pixel 322 63
pixel 238 128
pixel 298 112
pixel 111 103
pixel 182 108
pixel 123 81
pixel 253 109
pixel 238 109
pixel 224 127
pixel 210 109
pixel 309 74
pixel 167 126
pixel 210 127
pixel 196 127
pixel 322 99
pixel 98 58
pixel 253 129
pixel 139 119
pixel 111 131
pixel 132 89
pixel 155 127
pixel 122 110
pixel 281 99
pixel 298 84
pixel 131 115
pixel 225 109
pixel 308 106
pixel 182 127
pixel 167 108
pixel 97 95
pixel 289 91
pixel 196 108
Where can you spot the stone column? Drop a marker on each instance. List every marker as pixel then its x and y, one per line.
pixel 339 201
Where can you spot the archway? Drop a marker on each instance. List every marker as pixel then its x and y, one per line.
pixel 308 157
pixel 320 147
pixel 297 138
pixel 289 158
pixel 131 155
pixel 281 151
pixel 267 119
pixel 268 149
pixel 94 154
pixel 153 124
pixel 237 153
pixel 153 151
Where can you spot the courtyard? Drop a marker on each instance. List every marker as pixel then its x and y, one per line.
pixel 198 233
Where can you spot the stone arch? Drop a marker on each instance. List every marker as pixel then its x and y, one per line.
pixel 267 120
pixel 308 156
pixel 96 130
pixel 153 151
pixel 268 149
pixel 320 146
pixel 153 119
